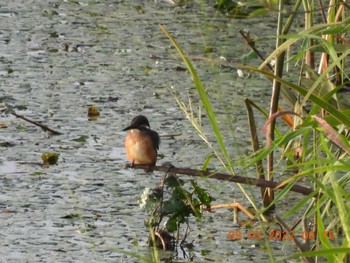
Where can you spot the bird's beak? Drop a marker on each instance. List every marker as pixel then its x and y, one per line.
pixel 129 127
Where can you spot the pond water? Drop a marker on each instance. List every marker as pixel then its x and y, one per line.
pixel 60 57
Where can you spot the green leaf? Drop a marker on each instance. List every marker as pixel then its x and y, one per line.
pixel 340 116
pixel 207 160
pixel 171 224
pixel 181 194
pixel 173 181
pixel 175 206
pixel 203 196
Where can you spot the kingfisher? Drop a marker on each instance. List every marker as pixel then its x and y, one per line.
pixel 141 143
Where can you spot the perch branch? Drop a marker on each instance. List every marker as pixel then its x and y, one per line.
pixel 226 177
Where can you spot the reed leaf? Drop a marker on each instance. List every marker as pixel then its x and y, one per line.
pixel 202 94
pixel 340 116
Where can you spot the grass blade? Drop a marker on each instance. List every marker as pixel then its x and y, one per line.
pixel 202 94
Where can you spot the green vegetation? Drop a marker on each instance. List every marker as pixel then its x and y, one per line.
pixel 50 158
pixel 314 148
pixel 171 205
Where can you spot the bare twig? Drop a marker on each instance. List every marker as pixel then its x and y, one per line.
pixel 226 177
pixel 238 206
pixel 45 128
pixel 250 42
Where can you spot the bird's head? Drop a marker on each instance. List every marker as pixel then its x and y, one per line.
pixel 138 122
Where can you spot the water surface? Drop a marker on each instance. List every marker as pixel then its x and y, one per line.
pixel 57 58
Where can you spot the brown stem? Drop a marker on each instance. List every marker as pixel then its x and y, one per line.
pixel 226 177
pixel 255 144
pixel 251 44
pixel 45 128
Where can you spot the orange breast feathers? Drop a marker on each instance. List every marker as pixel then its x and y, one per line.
pixel 140 147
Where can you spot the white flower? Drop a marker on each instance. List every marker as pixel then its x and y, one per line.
pixel 144 197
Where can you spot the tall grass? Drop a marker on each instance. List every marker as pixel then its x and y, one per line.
pixel 223 155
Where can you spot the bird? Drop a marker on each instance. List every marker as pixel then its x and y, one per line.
pixel 141 143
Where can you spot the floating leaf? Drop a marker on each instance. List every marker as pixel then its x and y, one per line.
pixel 93 112
pixel 82 139
pixel 72 216
pixel 205 252
pixel 50 158
pixel 100 27
pixel 147 69
pixel 36 174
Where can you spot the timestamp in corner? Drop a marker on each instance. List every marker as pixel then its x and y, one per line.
pixel 273 235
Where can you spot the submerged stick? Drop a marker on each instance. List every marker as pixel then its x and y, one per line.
pixel 226 177
pixel 45 128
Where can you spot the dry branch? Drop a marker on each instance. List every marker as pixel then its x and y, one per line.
pixel 45 128
pixel 226 177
